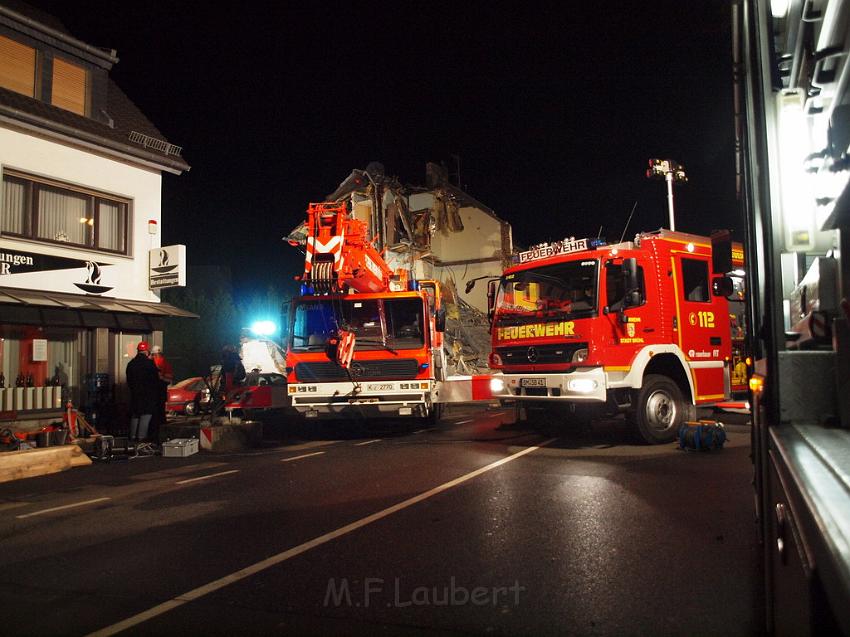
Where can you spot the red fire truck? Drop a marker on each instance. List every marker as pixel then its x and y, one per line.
pixel 640 327
pixel 741 360
pixel 366 341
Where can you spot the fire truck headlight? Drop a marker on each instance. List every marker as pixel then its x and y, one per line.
pixel 580 355
pixel 582 385
pixel 497 385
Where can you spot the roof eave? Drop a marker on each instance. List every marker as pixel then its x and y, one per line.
pixel 64 133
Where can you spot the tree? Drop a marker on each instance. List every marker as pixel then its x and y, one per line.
pixel 273 305
pixel 195 344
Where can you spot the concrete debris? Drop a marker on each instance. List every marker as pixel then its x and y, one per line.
pixel 467 335
pixel 438 232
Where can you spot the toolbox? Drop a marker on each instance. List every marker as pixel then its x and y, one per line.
pixel 180 447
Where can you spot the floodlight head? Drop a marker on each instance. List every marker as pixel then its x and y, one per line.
pixel 263 328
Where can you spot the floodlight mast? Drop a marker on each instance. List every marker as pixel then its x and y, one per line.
pixel 670 171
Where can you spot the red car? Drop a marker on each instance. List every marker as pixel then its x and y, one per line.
pixel 187 397
pixel 266 392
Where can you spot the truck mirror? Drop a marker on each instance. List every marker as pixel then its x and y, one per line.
pixel 491 296
pixel 632 298
pixel 491 300
pixel 721 252
pixel 722 286
pixel 440 320
pixel 630 274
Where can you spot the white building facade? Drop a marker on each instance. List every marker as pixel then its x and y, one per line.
pixel 81 197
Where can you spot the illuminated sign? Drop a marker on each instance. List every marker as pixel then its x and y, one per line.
pixel 167 267
pixel 546 250
pixel 536 330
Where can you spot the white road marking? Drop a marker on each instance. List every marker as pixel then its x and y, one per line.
pixel 295 551
pixel 13 505
pixel 176 472
pixel 306 455
pixel 368 442
pixel 310 445
pixel 419 431
pixel 463 422
pixel 212 475
pixel 62 508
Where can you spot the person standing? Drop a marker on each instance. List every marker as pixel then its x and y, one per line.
pixel 166 377
pixel 143 381
pixel 232 370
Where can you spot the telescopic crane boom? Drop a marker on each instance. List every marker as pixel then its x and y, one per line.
pixel 340 256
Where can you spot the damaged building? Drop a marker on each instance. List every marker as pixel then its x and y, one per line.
pixel 439 232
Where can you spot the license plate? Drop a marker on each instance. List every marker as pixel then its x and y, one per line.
pixel 379 387
pixel 532 382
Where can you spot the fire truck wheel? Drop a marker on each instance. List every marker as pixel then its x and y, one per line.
pixel 436 414
pixel 660 409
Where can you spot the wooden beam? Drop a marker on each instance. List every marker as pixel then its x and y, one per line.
pixel 16 465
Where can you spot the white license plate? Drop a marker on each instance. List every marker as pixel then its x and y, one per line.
pixel 379 387
pixel 532 382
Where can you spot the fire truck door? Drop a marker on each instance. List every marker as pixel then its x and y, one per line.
pixel 703 326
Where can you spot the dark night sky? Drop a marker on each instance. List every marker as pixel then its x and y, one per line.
pixel 554 110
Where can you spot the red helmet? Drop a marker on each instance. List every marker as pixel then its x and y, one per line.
pixel 144 346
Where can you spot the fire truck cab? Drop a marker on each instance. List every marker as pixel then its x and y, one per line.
pixel 640 327
pixel 365 341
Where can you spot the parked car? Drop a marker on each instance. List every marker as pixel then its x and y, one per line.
pixel 187 396
pixel 261 393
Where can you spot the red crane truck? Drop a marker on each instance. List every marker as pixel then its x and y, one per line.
pixel 640 327
pixel 365 341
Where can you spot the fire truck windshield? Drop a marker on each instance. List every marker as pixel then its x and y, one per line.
pixel 376 323
pixel 562 290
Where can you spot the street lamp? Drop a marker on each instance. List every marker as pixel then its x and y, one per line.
pixel 669 171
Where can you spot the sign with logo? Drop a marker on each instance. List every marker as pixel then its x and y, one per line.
pixel 16 264
pixel 546 250
pixel 167 267
pixel 536 330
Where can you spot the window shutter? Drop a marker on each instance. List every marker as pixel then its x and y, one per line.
pixel 69 86
pixel 17 66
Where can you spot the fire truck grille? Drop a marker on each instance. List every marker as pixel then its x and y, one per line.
pixel 329 372
pixel 539 354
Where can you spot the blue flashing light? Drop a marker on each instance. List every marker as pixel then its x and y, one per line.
pixel 424 365
pixel 595 243
pixel 264 328
pixel 307 290
pixel 413 285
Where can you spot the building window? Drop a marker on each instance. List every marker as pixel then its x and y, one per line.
pixel 17 66
pixel 48 211
pixel 44 382
pixel 695 280
pixel 69 86
pixel 615 284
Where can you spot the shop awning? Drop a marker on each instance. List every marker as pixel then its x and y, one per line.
pixel 77 310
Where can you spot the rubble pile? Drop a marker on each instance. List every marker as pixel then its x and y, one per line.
pixel 467 338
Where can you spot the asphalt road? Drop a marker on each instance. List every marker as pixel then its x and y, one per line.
pixel 475 527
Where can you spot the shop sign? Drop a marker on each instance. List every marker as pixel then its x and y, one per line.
pixel 167 267
pixel 13 262
pixel 39 349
